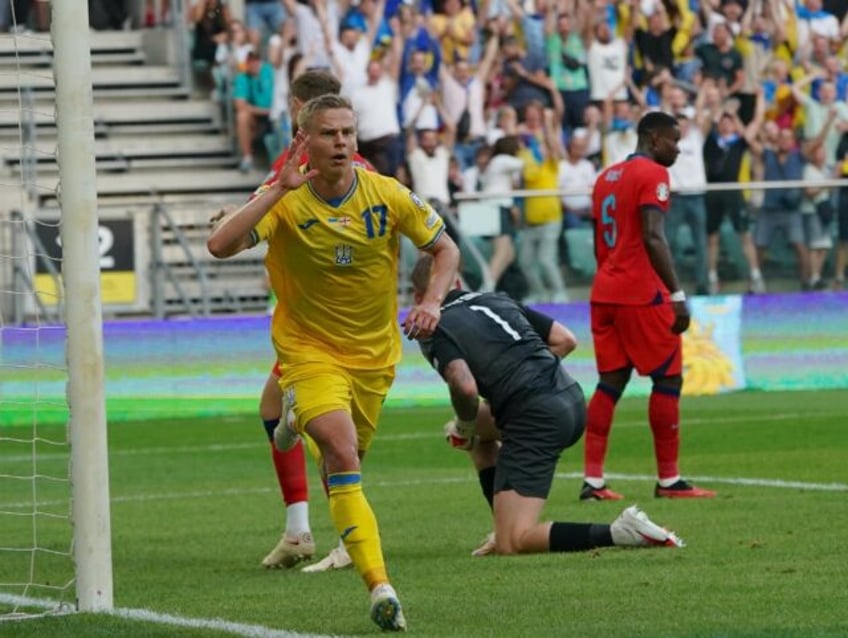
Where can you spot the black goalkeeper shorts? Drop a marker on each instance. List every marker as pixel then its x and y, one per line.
pixel 533 438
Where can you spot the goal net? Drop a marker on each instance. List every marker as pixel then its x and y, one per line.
pixel 55 552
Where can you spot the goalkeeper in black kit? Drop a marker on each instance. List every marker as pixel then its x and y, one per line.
pixel 487 346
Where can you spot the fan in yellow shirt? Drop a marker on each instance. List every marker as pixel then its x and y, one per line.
pixel 333 246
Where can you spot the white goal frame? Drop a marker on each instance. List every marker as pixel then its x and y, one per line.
pixel 89 466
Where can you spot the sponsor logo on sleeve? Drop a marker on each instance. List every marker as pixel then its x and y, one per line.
pixel 417 201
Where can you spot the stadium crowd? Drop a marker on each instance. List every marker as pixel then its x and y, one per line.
pixel 458 96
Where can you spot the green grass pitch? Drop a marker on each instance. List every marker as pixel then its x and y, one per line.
pixel 196 507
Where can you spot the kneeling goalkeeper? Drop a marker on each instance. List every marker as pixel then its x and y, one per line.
pixel 487 345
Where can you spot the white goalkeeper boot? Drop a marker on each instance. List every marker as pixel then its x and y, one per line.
pixel 633 528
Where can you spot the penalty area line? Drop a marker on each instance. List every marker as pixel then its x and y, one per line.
pixel 147 615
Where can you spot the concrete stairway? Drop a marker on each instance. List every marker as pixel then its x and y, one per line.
pixel 158 146
pixel 152 135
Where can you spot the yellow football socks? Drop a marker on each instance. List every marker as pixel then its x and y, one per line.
pixel 357 526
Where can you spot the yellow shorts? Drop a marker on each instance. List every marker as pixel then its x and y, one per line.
pixel 314 388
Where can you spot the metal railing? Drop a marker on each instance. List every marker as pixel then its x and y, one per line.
pixel 709 187
pixel 161 269
pixel 24 243
pixel 184 280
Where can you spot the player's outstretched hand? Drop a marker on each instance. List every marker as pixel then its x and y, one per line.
pixel 290 177
pixel 422 320
pixel 681 317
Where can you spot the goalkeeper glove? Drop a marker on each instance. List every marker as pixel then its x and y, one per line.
pixel 460 434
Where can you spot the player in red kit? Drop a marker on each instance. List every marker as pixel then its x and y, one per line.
pixel 296 544
pixel 638 308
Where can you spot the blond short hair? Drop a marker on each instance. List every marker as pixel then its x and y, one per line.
pixel 320 104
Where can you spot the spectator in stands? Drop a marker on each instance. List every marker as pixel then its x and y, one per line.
pixel 532 26
pixel 454 26
pixel 591 129
pixel 417 108
pixel 813 54
pixel 781 208
pixel 566 59
pixel 375 103
pixel 472 177
pixel 722 62
pixel 523 83
pixel 503 174
pixel 655 91
pixel 350 52
pixel 288 64
pixel 833 72
pixel 264 18
pixel 428 158
pixel 816 113
pixel 724 151
pixel 506 123
pixel 231 58
pixel 211 20
pixel 421 60
pixel 654 43
pixel 576 173
pixel 456 178
pixel 841 171
pixel 310 40
pixel 675 99
pixel 726 12
pixel 755 44
pixel 361 13
pixel 817 210
pixel 777 92
pixel 253 93
pixel 688 173
pixel 619 129
pixel 531 128
pixel 463 96
pixel 607 62
pixel 538 254
pixel 814 20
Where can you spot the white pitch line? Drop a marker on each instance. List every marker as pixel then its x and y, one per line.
pixel 389 437
pixel 735 480
pixel 172 496
pixel 147 615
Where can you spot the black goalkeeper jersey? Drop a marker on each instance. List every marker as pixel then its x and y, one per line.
pixel 504 345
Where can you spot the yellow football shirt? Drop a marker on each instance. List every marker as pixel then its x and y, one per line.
pixel 334 266
pixel 542 175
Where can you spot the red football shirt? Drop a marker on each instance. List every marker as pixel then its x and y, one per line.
pixel 625 275
pixel 274 173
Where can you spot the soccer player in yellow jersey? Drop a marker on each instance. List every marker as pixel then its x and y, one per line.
pixel 333 246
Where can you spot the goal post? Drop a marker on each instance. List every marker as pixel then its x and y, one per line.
pixel 89 466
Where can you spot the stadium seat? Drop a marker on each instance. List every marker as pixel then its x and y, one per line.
pixel 581 252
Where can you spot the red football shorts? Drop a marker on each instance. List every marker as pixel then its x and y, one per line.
pixel 637 336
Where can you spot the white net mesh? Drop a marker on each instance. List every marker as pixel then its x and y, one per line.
pixel 36 566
